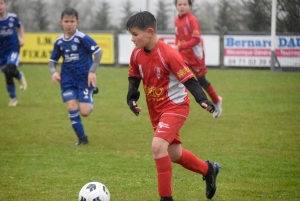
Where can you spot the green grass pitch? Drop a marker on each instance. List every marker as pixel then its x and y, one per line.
pixel 256 140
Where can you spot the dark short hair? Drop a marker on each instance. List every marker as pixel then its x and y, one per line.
pixel 189 1
pixel 69 11
pixel 142 20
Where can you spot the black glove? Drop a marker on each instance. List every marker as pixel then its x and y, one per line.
pixel 132 107
pixel 208 103
pixel 133 93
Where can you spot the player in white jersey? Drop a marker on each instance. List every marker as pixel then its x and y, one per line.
pixel 11 39
pixel 78 70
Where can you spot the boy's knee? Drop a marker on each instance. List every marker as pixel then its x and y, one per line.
pixel 8 78
pixel 86 109
pixel 11 70
pixel 156 150
pixel 85 113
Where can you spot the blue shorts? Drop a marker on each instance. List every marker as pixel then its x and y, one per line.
pixel 83 95
pixel 10 57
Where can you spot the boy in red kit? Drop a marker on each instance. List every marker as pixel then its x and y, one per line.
pixel 165 79
pixel 190 45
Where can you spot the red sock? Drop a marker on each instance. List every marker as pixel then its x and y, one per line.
pixel 212 94
pixel 189 161
pixel 164 174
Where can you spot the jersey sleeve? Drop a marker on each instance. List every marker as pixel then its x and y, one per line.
pixel 177 66
pixel 90 45
pixel 195 27
pixel 17 22
pixel 133 68
pixel 176 31
pixel 55 55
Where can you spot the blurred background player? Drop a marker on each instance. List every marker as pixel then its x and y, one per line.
pixel 78 70
pixel 166 79
pixel 190 45
pixel 11 39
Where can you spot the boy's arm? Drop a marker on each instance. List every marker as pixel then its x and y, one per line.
pixel 190 44
pixel 133 94
pixel 52 67
pixel 196 90
pixel 92 80
pixel 96 61
pixel 21 31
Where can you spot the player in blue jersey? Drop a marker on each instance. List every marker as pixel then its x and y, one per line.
pixel 78 70
pixel 11 38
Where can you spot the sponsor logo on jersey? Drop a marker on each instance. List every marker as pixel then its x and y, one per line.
pixel 76 40
pixel 74 47
pixel 153 91
pixel 71 57
pixel 183 71
pixel 7 32
pixel 196 32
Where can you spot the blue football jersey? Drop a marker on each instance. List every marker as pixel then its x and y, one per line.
pixel 8 31
pixel 77 54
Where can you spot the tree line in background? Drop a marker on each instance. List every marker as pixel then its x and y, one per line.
pixel 221 17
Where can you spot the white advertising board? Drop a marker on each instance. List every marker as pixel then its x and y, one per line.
pixel 211 47
pixel 255 51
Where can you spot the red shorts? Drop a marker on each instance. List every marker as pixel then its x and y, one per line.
pixel 168 127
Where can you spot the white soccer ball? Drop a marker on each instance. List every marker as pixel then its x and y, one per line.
pixel 94 191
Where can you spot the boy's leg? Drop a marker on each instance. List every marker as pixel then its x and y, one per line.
pixel 76 122
pixel 164 176
pixel 71 96
pixel 12 71
pixel 166 132
pixel 199 69
pixel 10 87
pixel 209 170
pixel 209 89
pixel 22 81
pixel 86 102
pixel 217 100
pixel 191 162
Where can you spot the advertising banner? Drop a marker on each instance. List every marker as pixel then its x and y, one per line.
pixel 38 47
pixel 211 47
pixel 255 51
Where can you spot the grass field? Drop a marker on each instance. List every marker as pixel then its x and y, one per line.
pixel 256 141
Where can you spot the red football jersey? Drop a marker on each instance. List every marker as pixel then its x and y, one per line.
pixel 162 71
pixel 188 33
